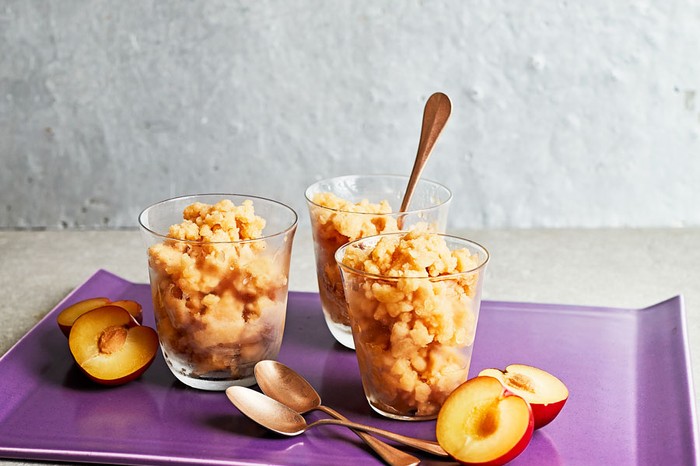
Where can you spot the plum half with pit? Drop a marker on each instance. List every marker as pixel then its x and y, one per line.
pixel 110 347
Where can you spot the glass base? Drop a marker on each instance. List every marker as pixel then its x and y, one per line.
pixel 212 381
pixel 401 417
pixel 341 333
pixel 214 384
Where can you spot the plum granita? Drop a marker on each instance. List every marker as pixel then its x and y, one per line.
pixel 219 292
pixel 413 300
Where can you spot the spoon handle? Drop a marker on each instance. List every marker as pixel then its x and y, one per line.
pixel 435 115
pixel 423 445
pixel 391 455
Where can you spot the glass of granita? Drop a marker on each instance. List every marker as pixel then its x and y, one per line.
pixel 413 301
pixel 219 268
pixel 346 208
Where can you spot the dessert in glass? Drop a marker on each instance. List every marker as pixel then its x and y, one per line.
pixel 219 268
pixel 347 208
pixel 413 301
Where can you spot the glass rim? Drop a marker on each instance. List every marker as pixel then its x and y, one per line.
pixel 378 176
pixel 284 231
pixel 341 252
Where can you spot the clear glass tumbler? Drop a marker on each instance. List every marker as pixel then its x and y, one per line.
pixel 219 269
pixel 347 208
pixel 413 302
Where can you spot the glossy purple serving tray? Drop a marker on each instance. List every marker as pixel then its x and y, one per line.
pixel 631 398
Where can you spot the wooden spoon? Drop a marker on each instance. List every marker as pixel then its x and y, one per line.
pixel 435 115
pixel 283 384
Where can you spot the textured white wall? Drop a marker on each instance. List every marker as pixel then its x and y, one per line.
pixel 565 113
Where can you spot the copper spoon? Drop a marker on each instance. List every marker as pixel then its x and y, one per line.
pixel 435 115
pixel 289 388
pixel 279 418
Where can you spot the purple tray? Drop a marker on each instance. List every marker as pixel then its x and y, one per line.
pixel 631 398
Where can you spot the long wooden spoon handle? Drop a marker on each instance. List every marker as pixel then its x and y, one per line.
pixel 435 115
pixel 423 445
pixel 392 456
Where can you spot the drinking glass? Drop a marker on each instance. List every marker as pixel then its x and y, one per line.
pixel 219 284
pixel 347 208
pixel 413 325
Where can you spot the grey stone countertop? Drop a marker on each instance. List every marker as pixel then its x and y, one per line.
pixel 627 268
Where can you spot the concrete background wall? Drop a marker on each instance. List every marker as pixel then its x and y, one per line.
pixel 565 113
